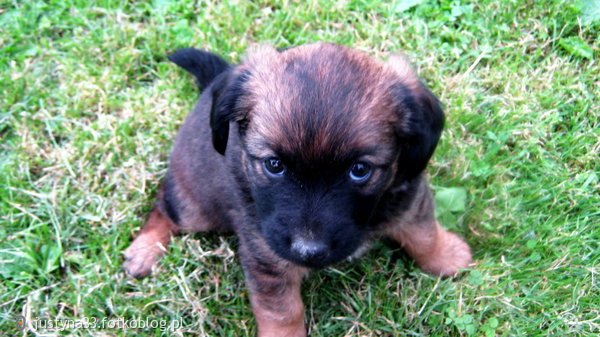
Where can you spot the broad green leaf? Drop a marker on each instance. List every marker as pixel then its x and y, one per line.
pixel 590 11
pixel 404 5
pixel 450 199
pixel 51 256
pixel 475 277
pixel 577 47
pixel 493 322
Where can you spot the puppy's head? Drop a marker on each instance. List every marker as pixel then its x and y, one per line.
pixel 325 131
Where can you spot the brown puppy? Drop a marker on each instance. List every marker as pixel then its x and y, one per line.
pixel 307 154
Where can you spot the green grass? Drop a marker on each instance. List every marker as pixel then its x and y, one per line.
pixel 89 107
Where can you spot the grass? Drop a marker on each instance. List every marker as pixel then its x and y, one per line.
pixel 89 107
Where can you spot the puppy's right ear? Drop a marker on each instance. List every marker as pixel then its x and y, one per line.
pixel 420 119
pixel 227 93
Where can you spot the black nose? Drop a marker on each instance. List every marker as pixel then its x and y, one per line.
pixel 309 250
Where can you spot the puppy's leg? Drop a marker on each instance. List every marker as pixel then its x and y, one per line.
pixel 149 245
pixel 177 210
pixel 274 287
pixel 435 250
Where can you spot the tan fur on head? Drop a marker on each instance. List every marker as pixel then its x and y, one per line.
pixel 260 54
pixel 401 64
pixel 275 95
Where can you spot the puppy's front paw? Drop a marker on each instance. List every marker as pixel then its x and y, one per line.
pixel 142 255
pixel 450 255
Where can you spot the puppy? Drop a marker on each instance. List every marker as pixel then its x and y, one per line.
pixel 307 154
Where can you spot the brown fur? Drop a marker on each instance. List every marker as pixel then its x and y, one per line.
pixel 274 291
pixel 273 91
pixel 320 105
pixel 150 244
pixel 434 249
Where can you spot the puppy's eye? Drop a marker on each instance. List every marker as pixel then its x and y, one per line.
pixel 360 172
pixel 274 167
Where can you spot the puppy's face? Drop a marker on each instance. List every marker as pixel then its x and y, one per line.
pixel 322 129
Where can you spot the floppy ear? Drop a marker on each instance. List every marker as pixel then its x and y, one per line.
pixel 227 91
pixel 224 85
pixel 419 132
pixel 420 120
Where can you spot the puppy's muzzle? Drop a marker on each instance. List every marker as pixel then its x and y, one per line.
pixel 309 251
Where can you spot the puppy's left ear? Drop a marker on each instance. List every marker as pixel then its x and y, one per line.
pixel 420 119
pixel 227 94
